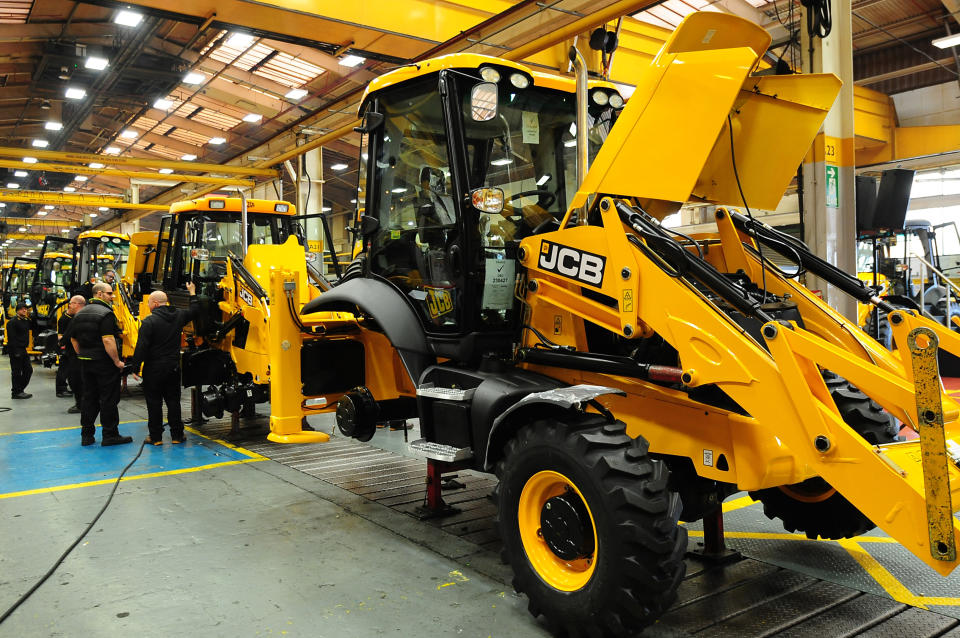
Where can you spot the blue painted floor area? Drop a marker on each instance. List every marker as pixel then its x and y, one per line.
pixel 41 460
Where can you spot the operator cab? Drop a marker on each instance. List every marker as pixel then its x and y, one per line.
pixel 198 237
pixel 101 251
pixel 466 155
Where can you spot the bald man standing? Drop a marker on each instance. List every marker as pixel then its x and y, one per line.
pixel 158 351
pixel 69 369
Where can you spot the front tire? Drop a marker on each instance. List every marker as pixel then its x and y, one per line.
pixel 589 526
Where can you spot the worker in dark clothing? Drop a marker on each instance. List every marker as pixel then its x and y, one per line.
pixel 94 335
pixel 18 340
pixel 69 369
pixel 158 350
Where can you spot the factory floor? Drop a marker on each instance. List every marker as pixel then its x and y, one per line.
pixel 214 538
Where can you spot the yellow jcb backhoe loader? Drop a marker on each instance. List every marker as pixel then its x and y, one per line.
pixel 617 376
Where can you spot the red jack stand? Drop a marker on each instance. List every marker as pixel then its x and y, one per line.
pixel 714 549
pixel 433 504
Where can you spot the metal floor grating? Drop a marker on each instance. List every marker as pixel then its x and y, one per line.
pixel 737 600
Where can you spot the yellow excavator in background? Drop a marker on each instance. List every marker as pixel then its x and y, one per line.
pixel 616 375
pixel 16 288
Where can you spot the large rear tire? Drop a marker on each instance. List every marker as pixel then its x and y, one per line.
pixel 814 506
pixel 589 527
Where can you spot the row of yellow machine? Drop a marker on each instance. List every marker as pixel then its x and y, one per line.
pixel 513 289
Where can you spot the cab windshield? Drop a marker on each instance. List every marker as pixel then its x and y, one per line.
pixel 102 254
pixel 219 235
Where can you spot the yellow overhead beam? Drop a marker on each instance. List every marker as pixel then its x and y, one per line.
pixel 116 160
pixel 72 199
pixel 170 177
pixel 23 236
pixel 32 221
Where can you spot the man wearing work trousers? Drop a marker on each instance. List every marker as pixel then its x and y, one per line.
pixel 93 333
pixel 158 350
pixel 69 369
pixel 18 340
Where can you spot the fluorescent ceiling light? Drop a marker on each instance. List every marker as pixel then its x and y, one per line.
pixel 325 209
pixel 252 117
pixel 570 143
pixel 95 165
pixel 194 78
pixel 165 171
pixel 69 189
pixel 29 160
pixel 296 94
pixel 352 60
pixel 96 62
pixel 49 207
pixel 128 18
pixel 92 214
pixel 40 143
pixel 353 201
pixel 129 134
pixel 163 104
pixel 240 40
pixel 338 167
pixel 398 190
pixel 189 157
pixel 53 126
pixel 13 185
pixel 20 173
pixel 103 209
pixel 76 93
pixel 501 162
pixel 947 41
pixel 22 229
pixel 217 141
pixel 543 180
pixel 80 178
pixel 112 150
pixel 64 230
pixel 41 213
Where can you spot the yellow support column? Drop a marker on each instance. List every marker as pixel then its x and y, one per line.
pixel 286 342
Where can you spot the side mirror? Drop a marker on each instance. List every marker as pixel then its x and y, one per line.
pixel 371 122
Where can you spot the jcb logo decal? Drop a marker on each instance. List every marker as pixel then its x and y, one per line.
pixel 569 262
pixel 439 302
pixel 245 295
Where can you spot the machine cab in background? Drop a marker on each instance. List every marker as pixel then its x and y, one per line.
pixel 465 156
pixel 53 279
pixel 101 251
pixel 200 235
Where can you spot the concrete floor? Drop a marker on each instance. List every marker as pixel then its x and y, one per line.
pixel 206 539
pixel 252 549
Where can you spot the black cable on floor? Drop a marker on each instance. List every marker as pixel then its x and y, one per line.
pixel 63 556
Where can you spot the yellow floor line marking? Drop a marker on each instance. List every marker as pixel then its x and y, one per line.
pixel 879 573
pixel 936 600
pixel 109 481
pixel 69 427
pixel 239 449
pixel 738 503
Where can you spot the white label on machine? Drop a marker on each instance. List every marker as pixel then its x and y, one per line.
pixel 708 458
pixel 530 126
pixel 498 283
pixel 245 295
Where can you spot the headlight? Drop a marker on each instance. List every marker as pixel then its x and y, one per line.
pixel 281 208
pixel 615 100
pixel 599 98
pixel 489 74
pixel 519 80
pixel 218 203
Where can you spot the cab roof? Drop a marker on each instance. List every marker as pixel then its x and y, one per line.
pixel 232 205
pixel 472 61
pixel 57 256
pixel 90 234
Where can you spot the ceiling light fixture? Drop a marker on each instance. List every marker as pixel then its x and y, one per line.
pixel 338 167
pixel 194 78
pixel 128 18
pixel 41 213
pixel 80 178
pixel 92 214
pixel 129 134
pixel 103 209
pixel 95 165
pixel 296 94
pixel 49 207
pixel 20 173
pixel 189 157
pixel 947 41
pixel 112 150
pixel 352 60
pixel 29 160
pixel 217 141
pixel 162 103
pixel 76 93
pixel 69 189
pixel 165 171
pixel 38 143
pixel 240 40
pixel 96 63
pixel 13 185
pixel 252 117
pixel 52 126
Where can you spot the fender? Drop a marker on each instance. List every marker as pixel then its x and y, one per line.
pixel 564 398
pixel 382 302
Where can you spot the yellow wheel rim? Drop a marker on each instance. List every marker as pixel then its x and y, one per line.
pixel 565 575
pixel 807 496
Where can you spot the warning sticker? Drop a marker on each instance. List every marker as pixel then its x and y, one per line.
pixel 498 283
pixel 530 125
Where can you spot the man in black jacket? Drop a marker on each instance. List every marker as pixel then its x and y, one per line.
pixel 158 350
pixel 93 333
pixel 18 339
pixel 69 369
